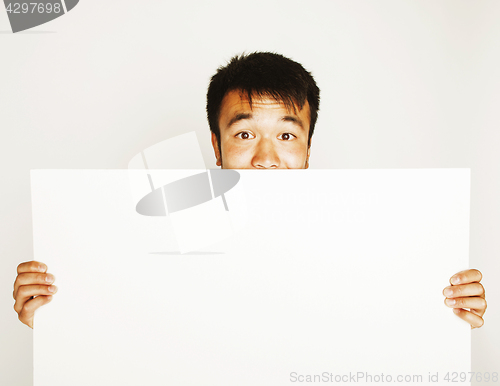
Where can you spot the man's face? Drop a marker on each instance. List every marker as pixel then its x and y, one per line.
pixel 266 136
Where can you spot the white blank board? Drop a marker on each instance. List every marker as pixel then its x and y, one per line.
pixel 331 273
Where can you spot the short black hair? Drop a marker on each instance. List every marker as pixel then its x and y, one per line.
pixel 263 74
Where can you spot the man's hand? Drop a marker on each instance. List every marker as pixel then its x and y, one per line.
pixel 32 289
pixel 466 291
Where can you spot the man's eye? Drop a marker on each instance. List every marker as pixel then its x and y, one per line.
pixel 244 135
pixel 287 136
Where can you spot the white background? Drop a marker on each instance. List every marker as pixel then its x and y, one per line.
pixel 405 84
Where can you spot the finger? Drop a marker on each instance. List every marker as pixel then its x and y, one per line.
pixel 458 291
pixel 474 320
pixel 32 278
pixel 478 312
pixel 476 303
pixel 467 276
pixel 26 292
pixel 31 266
pixel 28 311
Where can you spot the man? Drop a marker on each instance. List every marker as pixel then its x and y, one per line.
pixel 262 109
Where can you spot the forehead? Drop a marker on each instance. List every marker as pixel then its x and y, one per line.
pixel 236 102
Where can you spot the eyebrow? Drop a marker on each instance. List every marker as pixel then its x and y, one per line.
pixel 294 119
pixel 286 118
pixel 239 117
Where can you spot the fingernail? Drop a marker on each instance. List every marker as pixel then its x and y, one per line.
pixel 53 289
pixel 456 310
pixel 455 280
pixel 49 278
pixel 451 302
pixel 448 292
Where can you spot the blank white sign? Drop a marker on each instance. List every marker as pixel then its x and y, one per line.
pixel 328 276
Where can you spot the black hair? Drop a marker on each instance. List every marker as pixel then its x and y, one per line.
pixel 263 74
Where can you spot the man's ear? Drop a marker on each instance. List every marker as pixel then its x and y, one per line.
pixel 308 154
pixel 215 145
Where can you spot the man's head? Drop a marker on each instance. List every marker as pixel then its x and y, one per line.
pixel 262 109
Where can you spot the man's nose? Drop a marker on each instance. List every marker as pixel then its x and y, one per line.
pixel 265 156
